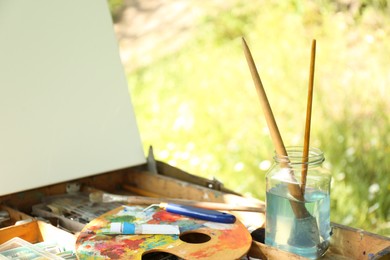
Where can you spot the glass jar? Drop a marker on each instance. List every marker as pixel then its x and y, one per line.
pixel 298 219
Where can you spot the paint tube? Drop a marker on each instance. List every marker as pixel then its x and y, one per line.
pixel 126 228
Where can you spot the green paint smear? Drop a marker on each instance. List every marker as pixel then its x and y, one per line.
pixel 121 218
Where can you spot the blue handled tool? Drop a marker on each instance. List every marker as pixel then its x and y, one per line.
pixel 199 213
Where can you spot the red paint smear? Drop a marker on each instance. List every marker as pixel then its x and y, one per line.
pixel 110 250
pixel 113 253
pixel 133 244
pixel 164 216
pixel 94 227
pixel 116 250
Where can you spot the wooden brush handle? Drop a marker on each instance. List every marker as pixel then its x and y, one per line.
pixel 106 197
pixel 306 144
pixel 299 209
pixel 139 191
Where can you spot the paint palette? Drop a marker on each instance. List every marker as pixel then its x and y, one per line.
pixel 198 239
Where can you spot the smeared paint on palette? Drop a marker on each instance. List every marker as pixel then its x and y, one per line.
pixel 227 241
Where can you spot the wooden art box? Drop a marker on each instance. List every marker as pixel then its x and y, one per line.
pixel 68 129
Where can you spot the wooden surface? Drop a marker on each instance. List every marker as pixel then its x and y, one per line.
pixel 14 215
pixel 178 174
pixel 356 243
pixel 38 231
pixel 172 188
pixel 23 201
pixel 29 231
pixel 346 243
pixel 225 241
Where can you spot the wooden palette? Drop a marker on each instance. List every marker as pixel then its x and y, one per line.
pixel 198 239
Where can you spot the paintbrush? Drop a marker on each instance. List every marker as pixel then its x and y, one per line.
pixel 306 223
pixel 104 197
pixel 308 118
pixel 196 212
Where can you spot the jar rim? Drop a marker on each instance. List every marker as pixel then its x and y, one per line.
pixel 295 155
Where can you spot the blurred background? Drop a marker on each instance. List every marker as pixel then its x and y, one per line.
pixel 196 103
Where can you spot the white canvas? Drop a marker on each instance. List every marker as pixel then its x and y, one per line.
pixel 65 110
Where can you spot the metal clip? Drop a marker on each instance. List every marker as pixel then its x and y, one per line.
pixel 214 184
pixel 152 166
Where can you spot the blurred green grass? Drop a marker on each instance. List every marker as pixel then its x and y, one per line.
pixel 199 108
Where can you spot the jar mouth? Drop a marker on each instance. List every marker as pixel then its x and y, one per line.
pixel 295 156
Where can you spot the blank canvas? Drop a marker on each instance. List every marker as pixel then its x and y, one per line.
pixel 65 109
